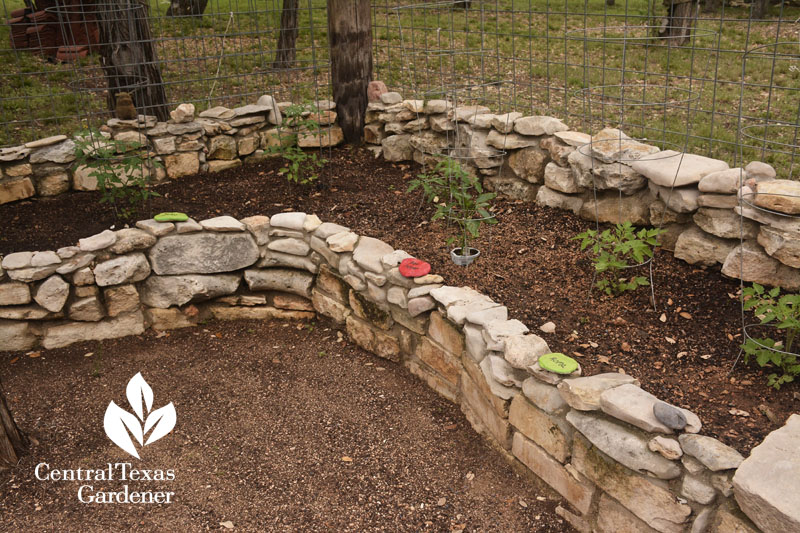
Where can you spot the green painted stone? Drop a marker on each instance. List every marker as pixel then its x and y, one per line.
pixel 171 217
pixel 558 363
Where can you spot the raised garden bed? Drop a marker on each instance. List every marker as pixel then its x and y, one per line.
pixel 528 262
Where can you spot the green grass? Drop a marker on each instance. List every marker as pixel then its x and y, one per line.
pixel 524 43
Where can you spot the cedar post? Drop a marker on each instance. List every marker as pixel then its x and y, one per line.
pixel 350 34
pixel 13 442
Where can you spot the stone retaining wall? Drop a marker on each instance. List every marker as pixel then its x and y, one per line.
pixel 217 139
pixel 622 459
pixel 547 163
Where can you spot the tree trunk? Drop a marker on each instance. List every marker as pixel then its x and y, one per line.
pixel 128 56
pixel 759 9
pixel 350 34
pixel 179 8
pixel 13 442
pixel 287 37
pixel 679 21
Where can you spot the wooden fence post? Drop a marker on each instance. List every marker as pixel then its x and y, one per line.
pixel 350 34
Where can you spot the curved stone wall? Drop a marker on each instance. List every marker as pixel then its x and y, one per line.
pixel 612 450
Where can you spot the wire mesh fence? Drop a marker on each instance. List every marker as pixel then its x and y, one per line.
pixel 550 52
pixel 532 56
pixel 54 69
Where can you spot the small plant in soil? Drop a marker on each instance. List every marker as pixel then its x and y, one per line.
pixel 121 168
pixel 783 312
pixel 458 197
pixel 301 167
pixel 614 250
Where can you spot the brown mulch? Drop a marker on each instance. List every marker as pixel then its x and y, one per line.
pixel 528 262
pixel 279 428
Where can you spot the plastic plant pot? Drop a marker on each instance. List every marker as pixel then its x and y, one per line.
pixel 464 260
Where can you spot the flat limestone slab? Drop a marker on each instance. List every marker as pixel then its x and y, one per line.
pixel 668 168
pixel 767 484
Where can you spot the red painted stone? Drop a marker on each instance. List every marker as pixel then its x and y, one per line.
pixel 414 268
pixel 375 89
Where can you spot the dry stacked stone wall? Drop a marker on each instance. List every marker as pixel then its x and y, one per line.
pixel 622 459
pixel 217 139
pixel 612 178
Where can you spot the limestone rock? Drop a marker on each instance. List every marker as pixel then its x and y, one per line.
pixel 58 336
pixel 529 164
pixel 760 268
pixel 651 502
pixel 609 207
pixel 631 404
pixel 584 393
pixel 766 483
pixel 521 351
pixel 497 331
pixel 504 373
pixel 397 148
pixel 280 279
pixel 130 239
pixel 203 253
pixel 182 164
pixel 669 168
pixel 679 199
pixel 326 136
pixel 182 113
pixel 390 98
pixel 722 182
pixel 782 196
pixel 222 224
pixel 154 227
pixel 782 245
pixel 87 309
pixel 668 448
pixel 121 299
pixel 505 123
pixel 694 488
pixel 710 452
pixel 45 258
pixel 17 335
pixel 167 291
pixel 509 141
pixel 760 171
pixel 561 179
pixel 698 247
pixel 626 446
pixel 725 223
pixel 611 145
pixel 511 187
pixel 551 198
pixel 539 125
pixel 63 152
pixel 123 269
pixel 368 253
pixel 16 190
pixel 14 293
pixel 591 173
pixel 97 242
pixel 467 113
pixel 545 397
pixel 52 293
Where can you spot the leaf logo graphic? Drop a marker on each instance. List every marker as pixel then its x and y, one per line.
pixel 120 424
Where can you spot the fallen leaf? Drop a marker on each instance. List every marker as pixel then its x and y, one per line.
pixel 738 412
pixel 451 427
pixel 441 502
pixel 625 347
pixel 593 344
pixel 705 356
pixel 577 354
pixel 34 354
pixel 14 360
pixel 681 355
pixel 227 524
pixel 470 476
pixel 663 317
pixel 347 459
pixel 523 504
pixel 670 340
pixel 604 359
pixel 686 315
pixel 669 301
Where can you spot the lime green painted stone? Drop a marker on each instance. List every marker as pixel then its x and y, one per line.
pixel 558 363
pixel 171 217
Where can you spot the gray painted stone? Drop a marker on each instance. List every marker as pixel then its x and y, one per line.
pixel 668 415
pixel 203 253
